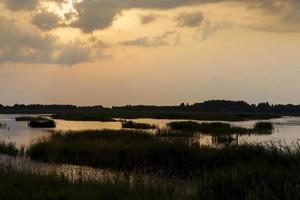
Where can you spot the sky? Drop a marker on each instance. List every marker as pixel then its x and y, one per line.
pixel 154 52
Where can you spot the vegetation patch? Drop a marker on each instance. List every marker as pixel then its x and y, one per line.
pixel 23 185
pixel 8 148
pixel 3 126
pixel 216 128
pixel 45 123
pixel 135 125
pixel 29 118
pixel 134 151
pixel 263 127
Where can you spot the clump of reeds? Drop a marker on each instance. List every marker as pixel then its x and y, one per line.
pixel 8 148
pixel 44 123
pixel 29 118
pixel 216 128
pixel 263 127
pixel 136 125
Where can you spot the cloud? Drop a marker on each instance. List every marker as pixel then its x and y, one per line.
pixel 46 21
pixel 169 38
pixel 99 14
pixel 27 5
pixel 72 54
pixel 141 41
pixel 16 5
pixel 146 19
pixel 190 19
pixel 211 28
pixel 21 44
pixel 93 15
pixel 29 45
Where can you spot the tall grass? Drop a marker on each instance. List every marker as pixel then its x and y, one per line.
pixel 135 125
pixel 251 182
pixel 234 183
pixel 3 126
pixel 138 151
pixel 263 127
pixel 215 129
pixel 29 118
pixel 22 185
pixel 219 129
pixel 8 148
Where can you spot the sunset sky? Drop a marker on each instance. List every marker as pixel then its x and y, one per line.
pixel 117 52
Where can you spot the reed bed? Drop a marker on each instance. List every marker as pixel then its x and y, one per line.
pixel 138 151
pixel 8 148
pixel 24 185
pixel 136 125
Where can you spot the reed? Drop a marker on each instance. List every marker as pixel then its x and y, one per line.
pixel 138 151
pixel 135 125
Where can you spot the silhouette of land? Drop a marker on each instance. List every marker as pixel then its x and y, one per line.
pixel 208 110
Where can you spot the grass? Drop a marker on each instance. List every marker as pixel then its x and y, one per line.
pixel 3 126
pixel 8 148
pixel 263 127
pixel 134 151
pixel 251 182
pixel 135 125
pixel 42 124
pixel 216 129
pixel 234 183
pixel 29 118
pixel 165 132
pixel 23 185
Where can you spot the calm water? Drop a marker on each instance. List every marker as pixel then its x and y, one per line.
pixel 287 129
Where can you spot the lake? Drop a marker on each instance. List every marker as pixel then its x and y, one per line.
pixel 286 129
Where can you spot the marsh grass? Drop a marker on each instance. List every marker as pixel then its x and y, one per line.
pixel 23 185
pixel 3 126
pixel 8 148
pixel 44 123
pixel 29 118
pixel 135 125
pixel 138 151
pixel 263 127
pixel 233 183
pixel 166 132
pixel 215 129
pixel 251 182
